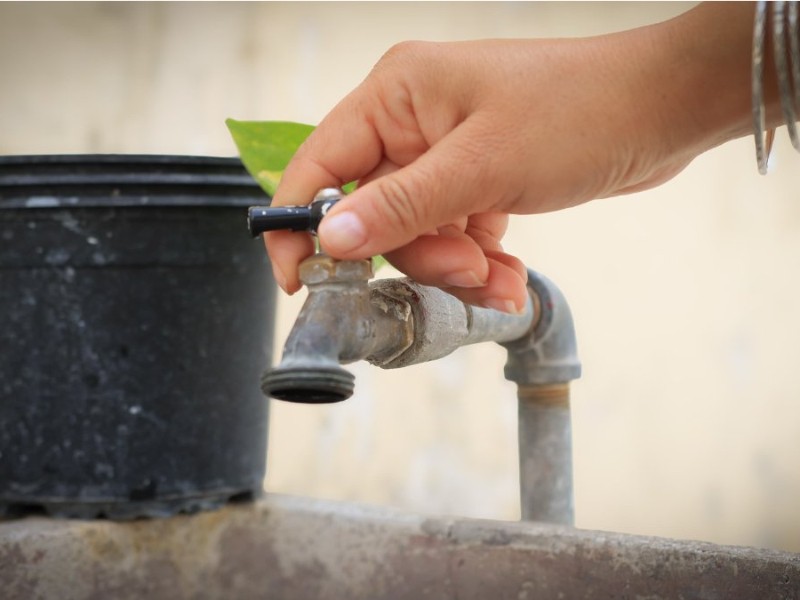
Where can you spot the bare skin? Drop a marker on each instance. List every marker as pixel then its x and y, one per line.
pixel 447 140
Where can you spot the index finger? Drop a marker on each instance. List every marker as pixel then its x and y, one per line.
pixel 344 147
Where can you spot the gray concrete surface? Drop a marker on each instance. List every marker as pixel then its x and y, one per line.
pixel 297 548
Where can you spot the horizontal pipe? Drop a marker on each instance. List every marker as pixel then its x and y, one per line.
pixel 441 323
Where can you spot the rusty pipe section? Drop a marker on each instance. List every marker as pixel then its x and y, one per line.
pixel 391 323
pixel 542 364
pixel 545 454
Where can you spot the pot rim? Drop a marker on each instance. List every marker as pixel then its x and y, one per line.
pixel 115 158
pixel 40 181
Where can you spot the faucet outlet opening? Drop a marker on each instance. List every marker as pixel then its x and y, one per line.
pixel 308 385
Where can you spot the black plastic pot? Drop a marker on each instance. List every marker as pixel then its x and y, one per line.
pixel 136 317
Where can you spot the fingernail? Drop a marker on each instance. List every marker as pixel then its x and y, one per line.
pixel 503 305
pixel 463 279
pixel 343 232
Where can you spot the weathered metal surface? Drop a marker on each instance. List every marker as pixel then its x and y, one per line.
pixel 334 326
pixel 542 363
pixel 391 323
pixel 294 548
pixel 549 353
pixel 442 323
pixel 545 453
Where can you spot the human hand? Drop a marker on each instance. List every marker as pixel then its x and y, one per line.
pixel 447 140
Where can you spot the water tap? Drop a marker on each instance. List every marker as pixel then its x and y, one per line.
pixel 390 323
pixel 397 322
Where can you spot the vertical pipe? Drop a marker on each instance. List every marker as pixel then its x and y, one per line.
pixel 545 458
pixel 542 363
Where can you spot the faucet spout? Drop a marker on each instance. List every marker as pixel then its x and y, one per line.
pixel 338 324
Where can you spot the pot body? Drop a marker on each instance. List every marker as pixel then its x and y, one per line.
pixel 136 317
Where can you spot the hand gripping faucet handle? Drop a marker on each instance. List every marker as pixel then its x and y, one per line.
pixel 294 218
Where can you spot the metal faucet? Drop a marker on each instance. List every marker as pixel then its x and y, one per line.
pixel 394 323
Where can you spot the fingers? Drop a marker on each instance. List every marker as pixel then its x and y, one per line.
pixel 441 186
pixel 505 288
pixel 455 254
pixel 342 148
pixel 447 259
pixel 458 263
pixel 345 147
pixel 407 191
pixel 362 136
pixel 286 249
pixel 339 150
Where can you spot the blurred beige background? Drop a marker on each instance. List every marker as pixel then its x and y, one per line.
pixel 687 419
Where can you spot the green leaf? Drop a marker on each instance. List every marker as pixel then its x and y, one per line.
pixel 378 262
pixel 266 147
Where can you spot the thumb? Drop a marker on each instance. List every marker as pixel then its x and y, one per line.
pixel 444 184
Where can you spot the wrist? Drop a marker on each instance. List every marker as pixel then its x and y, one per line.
pixel 700 88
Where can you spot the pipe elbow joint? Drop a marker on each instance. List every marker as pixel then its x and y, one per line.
pixel 548 353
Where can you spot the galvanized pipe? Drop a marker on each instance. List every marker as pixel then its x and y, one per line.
pixel 545 454
pixel 542 363
pixel 442 323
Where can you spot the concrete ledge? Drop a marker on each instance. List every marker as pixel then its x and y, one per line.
pixel 296 548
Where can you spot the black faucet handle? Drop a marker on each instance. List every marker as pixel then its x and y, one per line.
pixel 294 218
